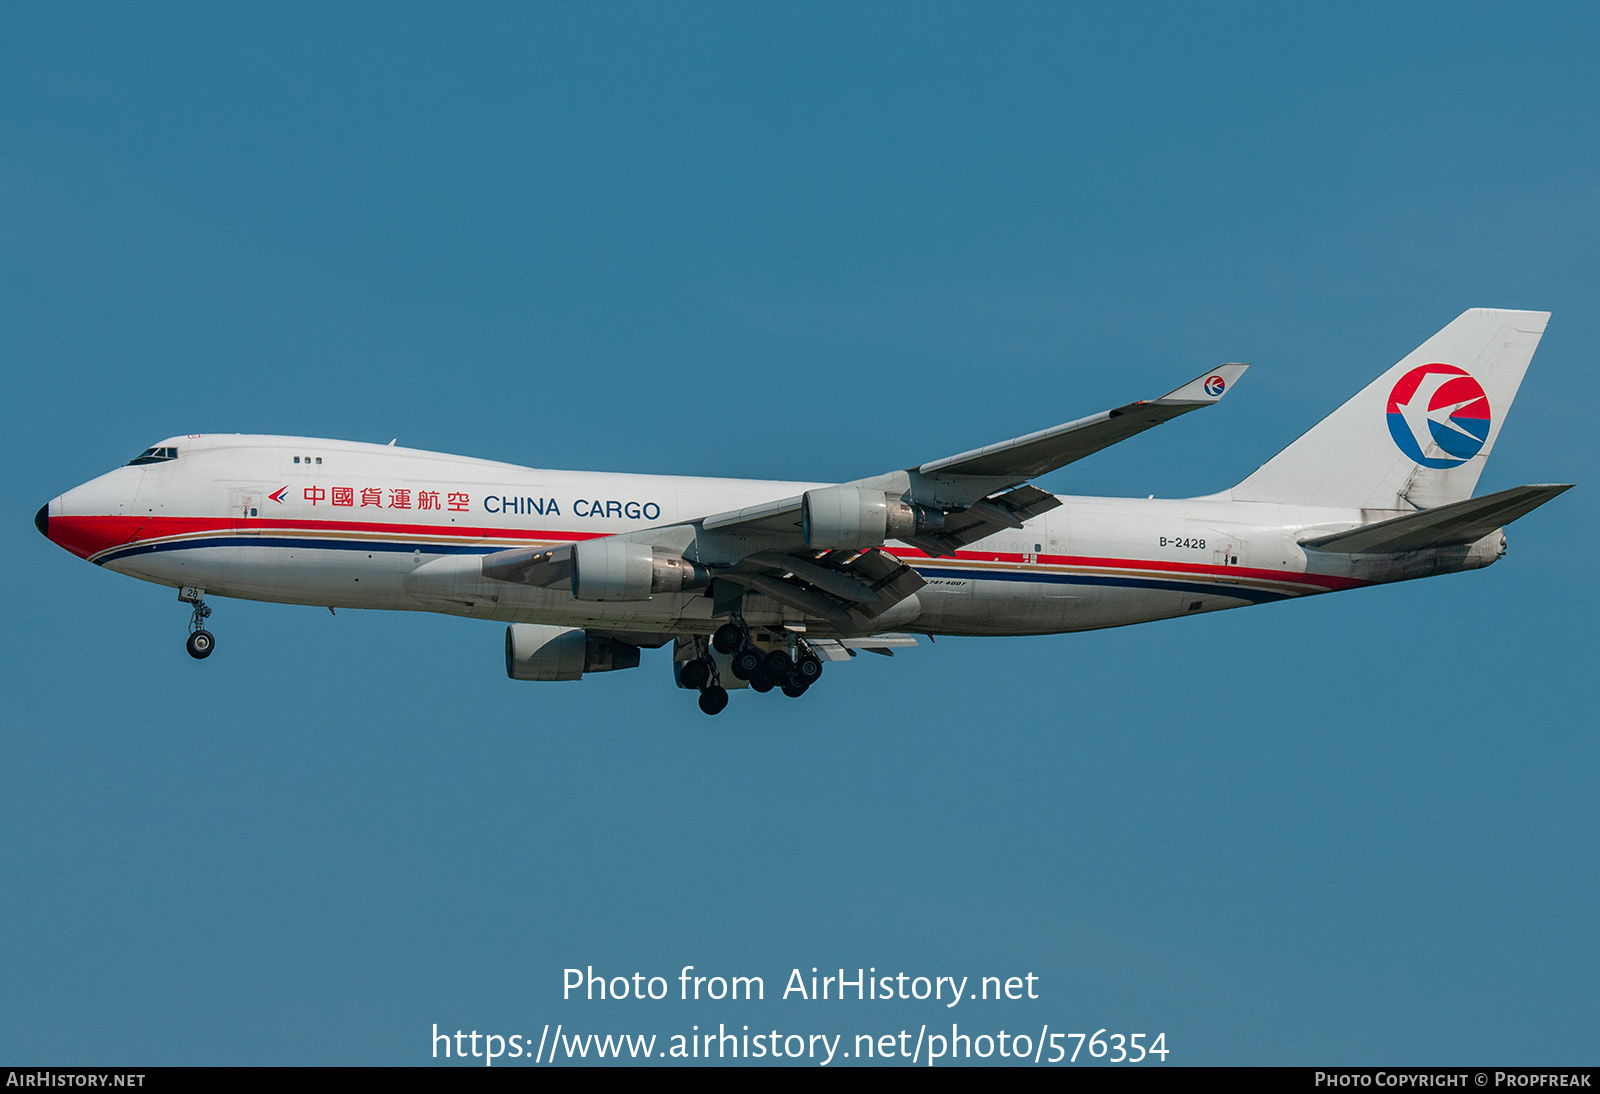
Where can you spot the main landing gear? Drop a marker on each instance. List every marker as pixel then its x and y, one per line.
pixel 200 642
pixel 792 668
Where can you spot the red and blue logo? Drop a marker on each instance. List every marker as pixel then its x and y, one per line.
pixel 277 495
pixel 1439 416
pixel 1215 385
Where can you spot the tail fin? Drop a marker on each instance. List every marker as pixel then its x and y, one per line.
pixel 1417 436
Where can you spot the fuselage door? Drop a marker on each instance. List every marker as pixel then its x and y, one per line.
pixel 1228 548
pixel 244 506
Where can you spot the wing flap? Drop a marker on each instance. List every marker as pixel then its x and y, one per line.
pixel 890 578
pixel 836 582
pixel 1457 523
pixel 795 595
pixel 842 649
pixel 848 588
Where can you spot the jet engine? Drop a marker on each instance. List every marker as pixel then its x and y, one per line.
pixel 538 652
pixel 618 569
pixel 850 517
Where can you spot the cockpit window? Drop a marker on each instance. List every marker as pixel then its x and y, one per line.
pixel 154 455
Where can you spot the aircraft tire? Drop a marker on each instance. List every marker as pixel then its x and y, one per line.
pixel 794 687
pixel 713 700
pixel 810 668
pixel 761 682
pixel 200 645
pixel 695 674
pixel 746 663
pixel 777 665
pixel 728 638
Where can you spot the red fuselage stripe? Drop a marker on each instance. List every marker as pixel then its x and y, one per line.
pixel 87 536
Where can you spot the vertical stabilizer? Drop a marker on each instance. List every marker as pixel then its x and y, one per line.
pixel 1417 436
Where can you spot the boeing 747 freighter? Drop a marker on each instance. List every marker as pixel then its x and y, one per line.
pixel 758 584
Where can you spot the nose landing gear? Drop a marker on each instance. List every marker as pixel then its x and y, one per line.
pixel 200 642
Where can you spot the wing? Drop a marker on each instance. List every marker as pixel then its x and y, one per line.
pixel 821 552
pixel 980 492
pixel 1030 456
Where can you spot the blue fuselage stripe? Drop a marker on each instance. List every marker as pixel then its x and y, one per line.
pixel 1124 581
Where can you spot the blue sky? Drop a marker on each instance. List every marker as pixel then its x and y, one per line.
pixel 805 242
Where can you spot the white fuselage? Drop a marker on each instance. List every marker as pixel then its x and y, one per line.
pixel 353 525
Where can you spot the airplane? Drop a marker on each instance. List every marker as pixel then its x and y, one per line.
pixel 757 584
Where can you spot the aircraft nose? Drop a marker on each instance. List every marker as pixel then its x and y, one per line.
pixel 41 520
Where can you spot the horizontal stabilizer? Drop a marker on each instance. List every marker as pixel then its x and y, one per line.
pixel 1450 525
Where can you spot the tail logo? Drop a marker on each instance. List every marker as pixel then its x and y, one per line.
pixel 1439 416
pixel 1215 386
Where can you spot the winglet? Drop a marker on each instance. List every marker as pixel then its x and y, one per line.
pixel 1208 387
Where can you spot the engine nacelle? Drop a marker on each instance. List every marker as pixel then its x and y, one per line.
pixel 535 651
pixel 619 569
pixel 850 517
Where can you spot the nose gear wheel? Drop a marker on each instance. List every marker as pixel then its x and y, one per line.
pixel 200 642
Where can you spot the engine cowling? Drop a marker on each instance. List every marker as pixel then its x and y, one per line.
pixel 535 651
pixel 618 569
pixel 850 517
